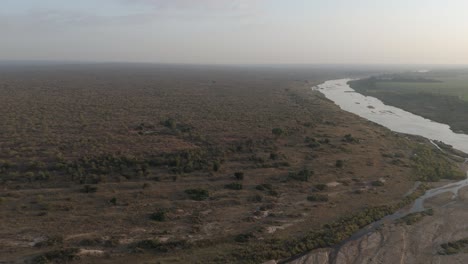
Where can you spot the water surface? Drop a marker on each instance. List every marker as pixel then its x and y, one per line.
pixel 391 117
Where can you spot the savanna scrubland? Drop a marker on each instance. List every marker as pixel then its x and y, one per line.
pixel 113 163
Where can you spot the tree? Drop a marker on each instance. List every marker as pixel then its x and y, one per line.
pixel 277 131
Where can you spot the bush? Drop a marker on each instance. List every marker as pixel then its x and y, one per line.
pixel 314 145
pixel 350 139
pixel 274 156
pixel 50 241
pixel 169 123
pixel 216 166
pixel 377 183
pixel 339 163
pixel 277 131
pixel 243 238
pixel 157 246
pixel 302 175
pixel 318 198
pixel 452 248
pixel 239 175
pixel 197 194
pixel 415 217
pixel 321 186
pixel 256 198
pixel 113 201
pixel 89 189
pixel 264 187
pixel 159 216
pixel 233 186
pixel 57 256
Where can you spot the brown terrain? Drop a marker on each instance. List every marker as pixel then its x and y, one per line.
pixel 185 164
pixel 437 238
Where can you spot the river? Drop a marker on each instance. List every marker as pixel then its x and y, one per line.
pixel 391 117
pixel 397 120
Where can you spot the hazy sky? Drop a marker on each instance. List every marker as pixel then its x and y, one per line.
pixel 236 31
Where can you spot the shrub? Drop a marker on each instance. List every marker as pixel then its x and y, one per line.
pixel 302 175
pixel 317 198
pixel 57 256
pixel 197 194
pixel 349 138
pixel 321 186
pixel 233 186
pixel 159 216
pixel 243 238
pixel 314 145
pixel 263 187
pixel 216 166
pixel 157 246
pixel 377 183
pixel 239 175
pixel 169 123
pixel 415 217
pixel 89 189
pixel 256 198
pixel 277 131
pixel 50 241
pixel 452 248
pixel 274 156
pixel 339 163
pixel 113 201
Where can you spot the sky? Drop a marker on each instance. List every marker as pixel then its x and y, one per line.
pixel 236 31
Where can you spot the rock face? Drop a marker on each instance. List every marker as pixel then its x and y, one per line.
pixel 401 243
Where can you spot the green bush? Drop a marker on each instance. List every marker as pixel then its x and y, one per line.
pixel 89 189
pixel 321 187
pixel 239 175
pixel 159 216
pixel 414 217
pixel 243 238
pixel 303 175
pixel 377 183
pixel 263 187
pixel 216 166
pixel 350 139
pixel 317 198
pixel 277 131
pixel 233 186
pixel 57 256
pixel 274 156
pixel 169 123
pixel 157 246
pixel 339 163
pixel 197 194
pixel 455 247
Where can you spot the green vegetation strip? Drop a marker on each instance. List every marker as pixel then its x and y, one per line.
pixel 452 248
pixel 415 217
